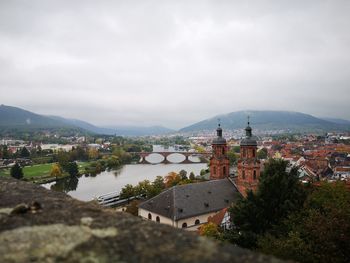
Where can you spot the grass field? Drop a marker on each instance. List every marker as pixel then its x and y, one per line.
pixel 41 170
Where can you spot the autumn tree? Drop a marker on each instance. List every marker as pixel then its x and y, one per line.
pixel 209 230
pixel 172 179
pixel 93 154
pixel 56 170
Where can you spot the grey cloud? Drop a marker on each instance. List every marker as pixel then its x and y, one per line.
pixel 174 62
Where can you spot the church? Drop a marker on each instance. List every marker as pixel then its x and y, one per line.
pixel 189 206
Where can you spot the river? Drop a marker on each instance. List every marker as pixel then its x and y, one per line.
pixel 85 188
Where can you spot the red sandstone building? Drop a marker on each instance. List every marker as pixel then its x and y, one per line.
pixel 248 164
pixel 219 162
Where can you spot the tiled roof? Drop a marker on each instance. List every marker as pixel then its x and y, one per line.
pixel 184 201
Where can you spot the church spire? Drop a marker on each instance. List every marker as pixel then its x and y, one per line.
pixel 219 130
pixel 248 129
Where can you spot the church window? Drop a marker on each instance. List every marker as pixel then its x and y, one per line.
pixel 158 219
pixel 254 153
pixel 254 175
pixel 224 170
pixel 223 150
pixel 184 225
pixel 214 170
pixel 244 153
pixel 243 174
pixel 197 222
pixel 149 216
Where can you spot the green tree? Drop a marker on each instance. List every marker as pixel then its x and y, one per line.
pixel 16 171
pixel 183 175
pixel 24 152
pixel 262 154
pixel 192 176
pixel 72 169
pixel 232 156
pixel 317 233
pixel 63 159
pixel 279 194
pixel 127 191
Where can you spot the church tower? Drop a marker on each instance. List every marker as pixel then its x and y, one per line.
pixel 248 164
pixel 219 162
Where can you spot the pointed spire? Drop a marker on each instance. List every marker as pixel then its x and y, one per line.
pixel 248 129
pixel 219 130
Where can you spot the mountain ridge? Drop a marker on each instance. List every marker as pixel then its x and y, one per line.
pixel 21 119
pixel 289 121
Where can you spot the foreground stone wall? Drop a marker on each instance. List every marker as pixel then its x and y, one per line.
pixel 37 225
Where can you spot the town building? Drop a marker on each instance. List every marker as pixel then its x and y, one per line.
pixel 189 206
pixel 249 165
pixel 219 162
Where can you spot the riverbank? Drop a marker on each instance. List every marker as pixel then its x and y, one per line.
pixel 40 173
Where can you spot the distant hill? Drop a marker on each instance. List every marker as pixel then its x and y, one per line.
pixel 13 118
pixel 268 120
pixel 337 121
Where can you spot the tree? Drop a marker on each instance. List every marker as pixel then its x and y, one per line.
pixel 192 176
pixel 132 208
pixel 262 154
pixel 127 191
pixel 93 154
pixel 56 170
pixel 159 183
pixel 63 159
pixel 144 188
pixel 24 152
pixel 232 157
pixel 16 171
pixel 209 230
pixel 317 233
pixel 279 194
pixel 72 169
pixel 236 149
pixel 183 175
pixel 172 179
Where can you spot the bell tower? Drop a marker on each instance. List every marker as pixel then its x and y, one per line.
pixel 248 164
pixel 219 162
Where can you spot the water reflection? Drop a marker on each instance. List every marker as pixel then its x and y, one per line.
pixel 66 184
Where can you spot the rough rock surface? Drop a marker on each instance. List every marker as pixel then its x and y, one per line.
pixel 37 225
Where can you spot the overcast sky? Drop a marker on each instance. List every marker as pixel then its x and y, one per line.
pixel 174 62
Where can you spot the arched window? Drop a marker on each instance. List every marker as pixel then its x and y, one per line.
pixel 254 153
pixel 223 150
pixel 243 174
pixel 244 153
pixel 197 222
pixel 224 170
pixel 158 219
pixel 184 225
pixel 214 170
pixel 254 175
pixel 149 216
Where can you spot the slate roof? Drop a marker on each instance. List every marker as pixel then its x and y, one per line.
pixel 184 201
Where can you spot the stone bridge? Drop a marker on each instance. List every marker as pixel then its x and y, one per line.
pixel 165 155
